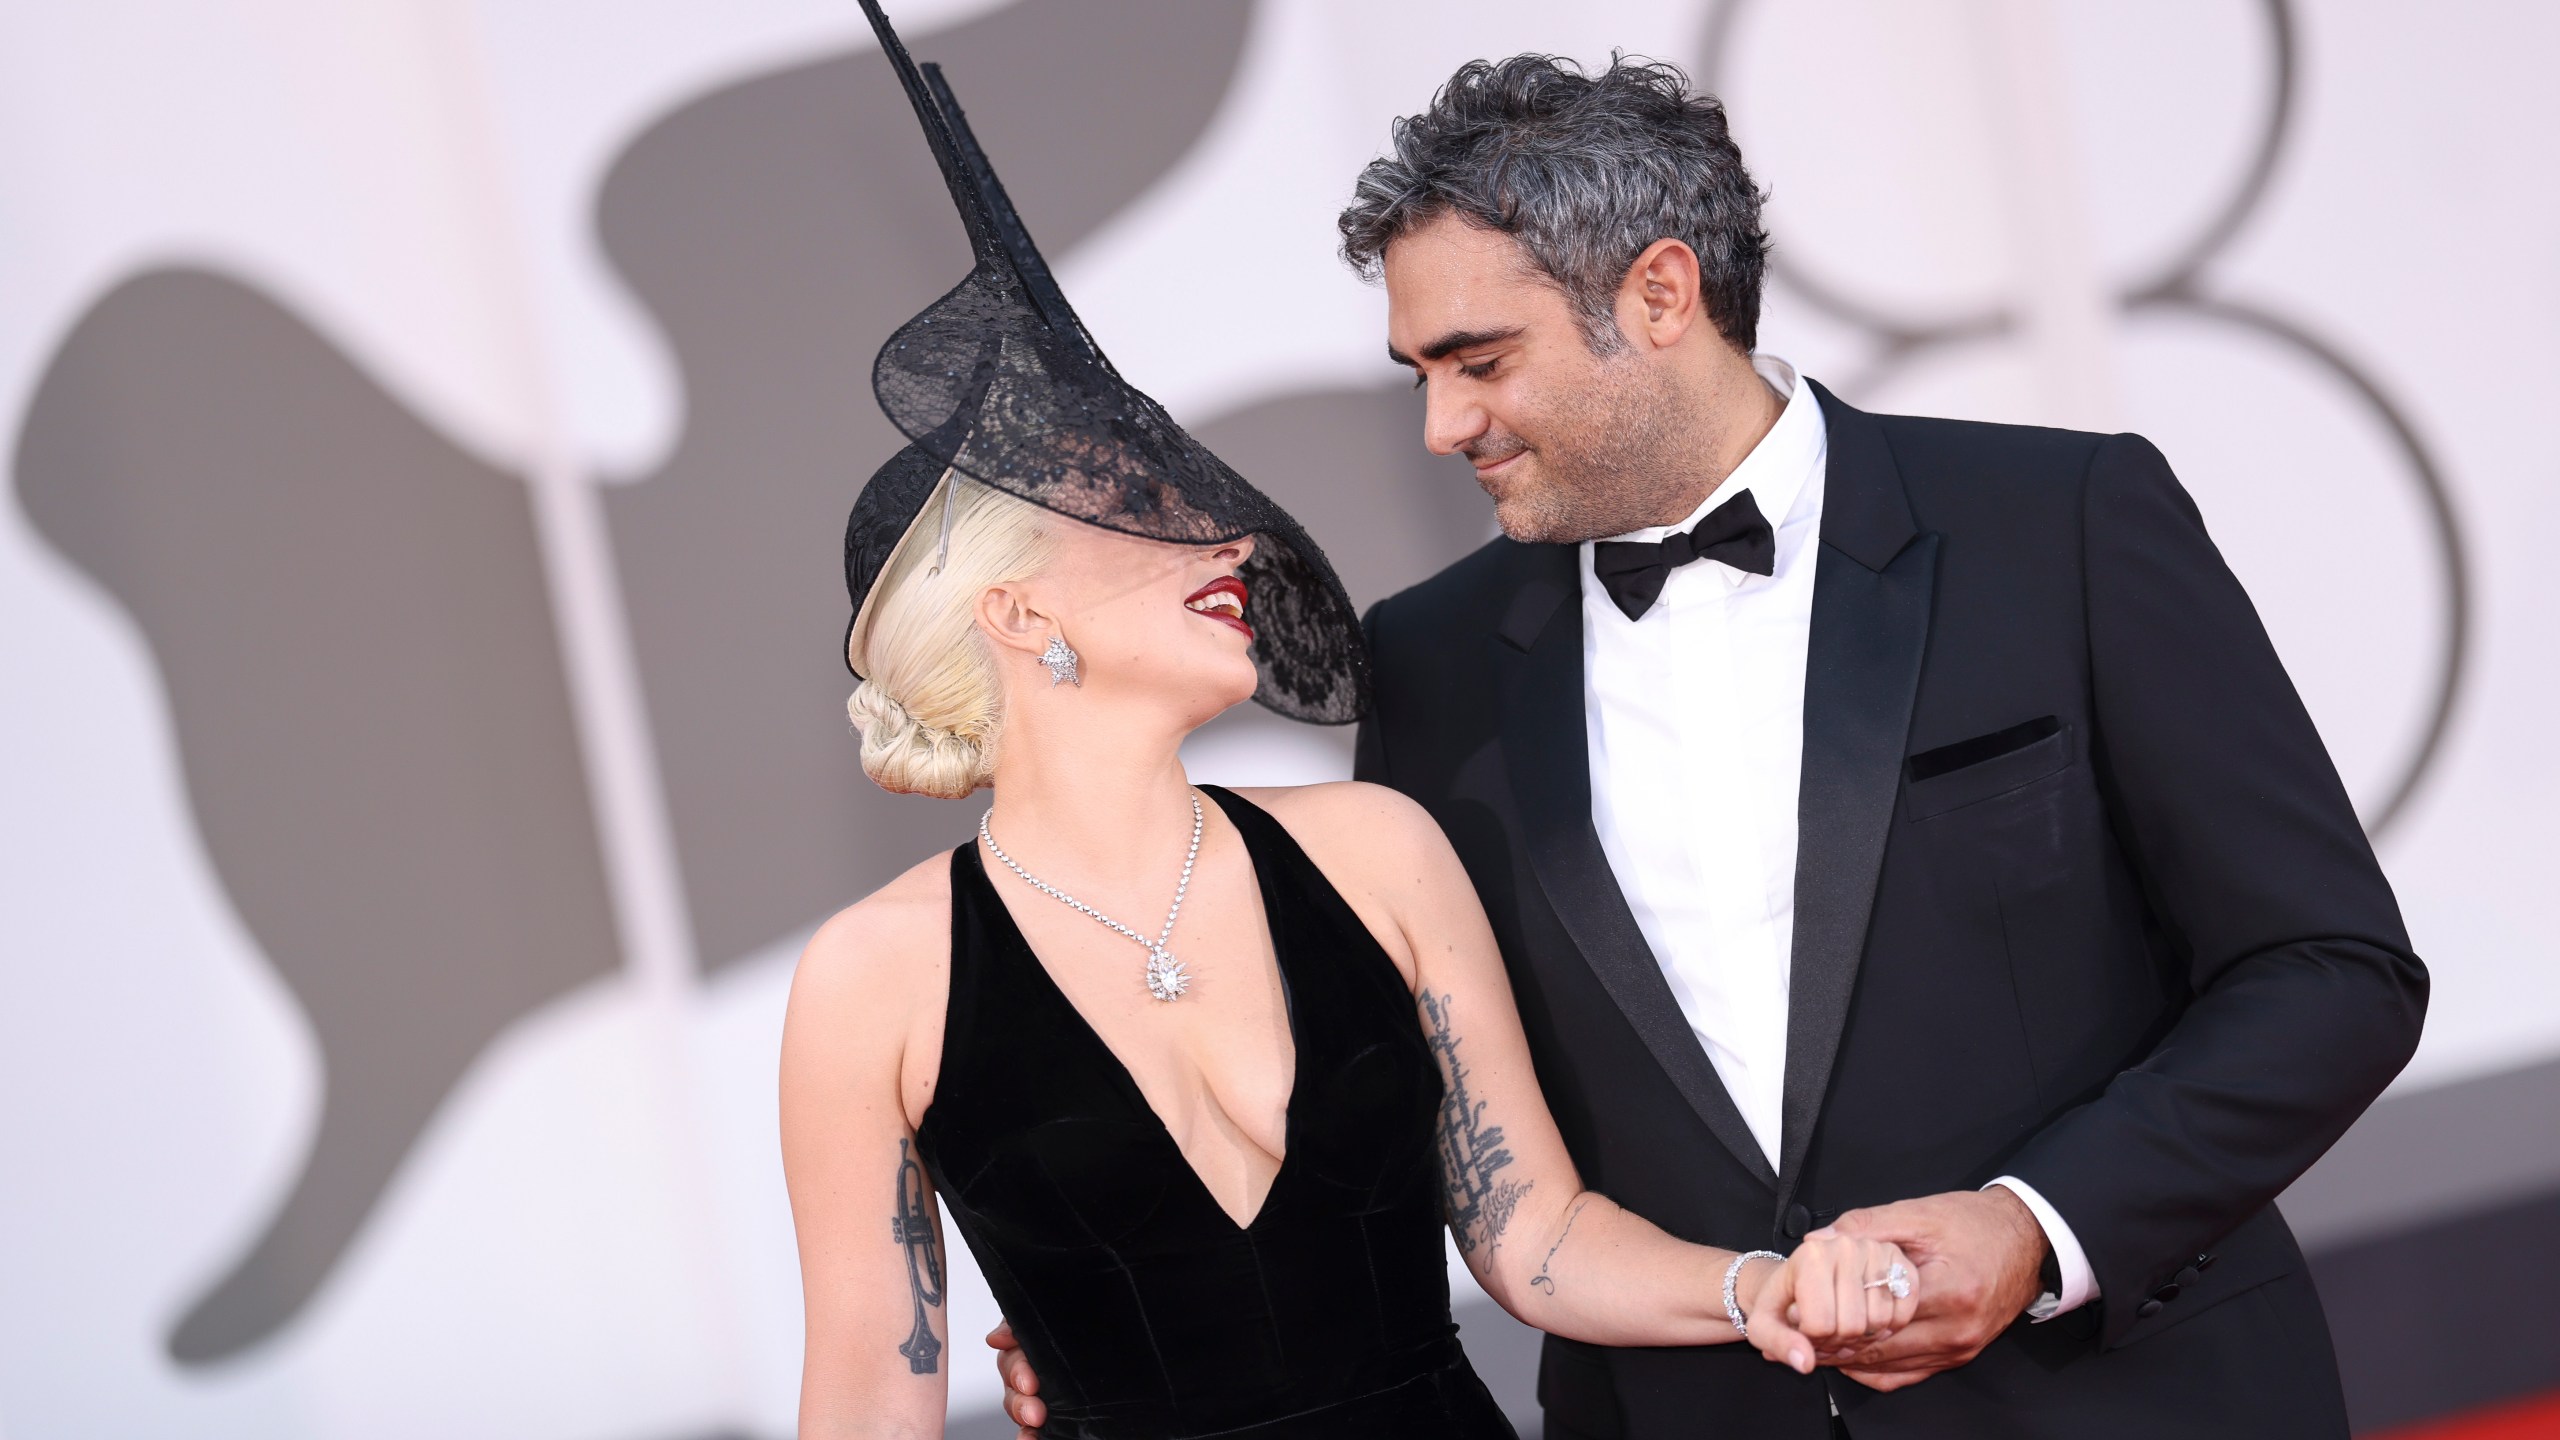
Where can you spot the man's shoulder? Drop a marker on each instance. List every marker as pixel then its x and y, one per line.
pixel 1462 591
pixel 1931 445
pixel 2019 484
pixel 1432 647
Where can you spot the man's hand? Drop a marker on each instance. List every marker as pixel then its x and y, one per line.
pixel 1818 1303
pixel 1978 1254
pixel 1020 1385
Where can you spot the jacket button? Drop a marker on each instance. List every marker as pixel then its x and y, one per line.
pixel 2146 1309
pixel 2166 1293
pixel 2189 1276
pixel 2204 1262
pixel 1799 1221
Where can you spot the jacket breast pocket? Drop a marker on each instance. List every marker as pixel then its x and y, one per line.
pixel 1953 776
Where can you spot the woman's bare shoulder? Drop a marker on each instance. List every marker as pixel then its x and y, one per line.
pixel 881 949
pixel 1352 812
pixel 1382 852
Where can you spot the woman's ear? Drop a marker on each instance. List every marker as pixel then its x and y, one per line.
pixel 1007 616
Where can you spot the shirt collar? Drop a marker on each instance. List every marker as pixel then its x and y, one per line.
pixel 1776 468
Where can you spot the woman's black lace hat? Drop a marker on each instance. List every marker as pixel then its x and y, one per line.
pixel 999 381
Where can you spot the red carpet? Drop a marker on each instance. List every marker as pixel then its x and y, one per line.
pixel 2535 1419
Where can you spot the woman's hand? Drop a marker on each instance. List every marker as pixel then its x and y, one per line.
pixel 1823 1302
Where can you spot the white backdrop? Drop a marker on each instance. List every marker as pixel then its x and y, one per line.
pixel 589 1237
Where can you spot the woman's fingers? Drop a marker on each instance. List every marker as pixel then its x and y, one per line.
pixel 1906 1306
pixel 1835 1307
pixel 1771 1330
pixel 1825 1303
pixel 1856 1258
pixel 1875 1301
pixel 1842 1306
pixel 1885 1312
pixel 1816 1272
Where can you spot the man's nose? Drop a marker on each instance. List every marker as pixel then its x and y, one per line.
pixel 1449 425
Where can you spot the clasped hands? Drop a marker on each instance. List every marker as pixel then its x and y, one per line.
pixel 1973 1257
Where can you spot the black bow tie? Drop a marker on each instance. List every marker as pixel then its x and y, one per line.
pixel 1634 571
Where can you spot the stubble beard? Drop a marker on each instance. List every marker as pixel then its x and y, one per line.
pixel 1611 454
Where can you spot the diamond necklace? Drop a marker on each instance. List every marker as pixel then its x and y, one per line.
pixel 1165 977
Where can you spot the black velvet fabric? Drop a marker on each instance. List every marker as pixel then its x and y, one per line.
pixel 1143 1306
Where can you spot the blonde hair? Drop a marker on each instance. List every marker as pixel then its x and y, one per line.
pixel 930 706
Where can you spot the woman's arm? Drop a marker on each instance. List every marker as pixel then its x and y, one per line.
pixel 861 1033
pixel 1565 1259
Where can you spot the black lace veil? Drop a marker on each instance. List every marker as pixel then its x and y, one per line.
pixel 1000 381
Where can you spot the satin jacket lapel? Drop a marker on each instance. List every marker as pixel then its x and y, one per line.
pixel 1547 753
pixel 1871 598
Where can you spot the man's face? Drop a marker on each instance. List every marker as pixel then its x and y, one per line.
pixel 1571 445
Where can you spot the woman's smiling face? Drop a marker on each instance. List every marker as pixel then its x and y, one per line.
pixel 1150 619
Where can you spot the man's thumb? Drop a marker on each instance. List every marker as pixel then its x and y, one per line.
pixel 1852 1225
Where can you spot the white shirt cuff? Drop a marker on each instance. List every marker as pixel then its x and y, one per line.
pixel 2079 1282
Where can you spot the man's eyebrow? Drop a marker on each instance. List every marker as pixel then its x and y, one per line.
pixel 1455 341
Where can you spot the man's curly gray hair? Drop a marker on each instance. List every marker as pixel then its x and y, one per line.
pixel 1584 171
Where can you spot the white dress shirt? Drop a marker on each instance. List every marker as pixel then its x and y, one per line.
pixel 1695 719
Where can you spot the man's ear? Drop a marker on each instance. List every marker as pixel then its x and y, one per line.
pixel 1661 299
pixel 1007 617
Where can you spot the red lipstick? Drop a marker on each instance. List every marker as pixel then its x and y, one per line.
pixel 1222 600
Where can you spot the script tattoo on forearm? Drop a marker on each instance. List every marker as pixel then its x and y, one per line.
pixel 912 1229
pixel 1545 1282
pixel 1472 1156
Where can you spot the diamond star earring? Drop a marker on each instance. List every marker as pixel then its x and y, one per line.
pixel 1060 660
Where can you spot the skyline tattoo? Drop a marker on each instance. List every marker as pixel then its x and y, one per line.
pixel 1471 1152
pixel 1543 1282
pixel 912 1229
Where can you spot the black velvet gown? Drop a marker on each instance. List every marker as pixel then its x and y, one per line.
pixel 1148 1313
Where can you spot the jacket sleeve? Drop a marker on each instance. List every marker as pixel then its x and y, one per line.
pixel 1369 745
pixel 2305 996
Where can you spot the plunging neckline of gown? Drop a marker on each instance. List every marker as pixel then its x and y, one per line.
pixel 1127 1080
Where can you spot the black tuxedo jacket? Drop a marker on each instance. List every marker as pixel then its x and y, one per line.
pixel 2079 898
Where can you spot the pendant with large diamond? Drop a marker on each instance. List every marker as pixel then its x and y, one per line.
pixel 1165 977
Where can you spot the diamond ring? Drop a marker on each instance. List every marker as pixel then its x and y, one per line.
pixel 1896 1280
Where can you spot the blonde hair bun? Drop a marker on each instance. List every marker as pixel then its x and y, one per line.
pixel 902 753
